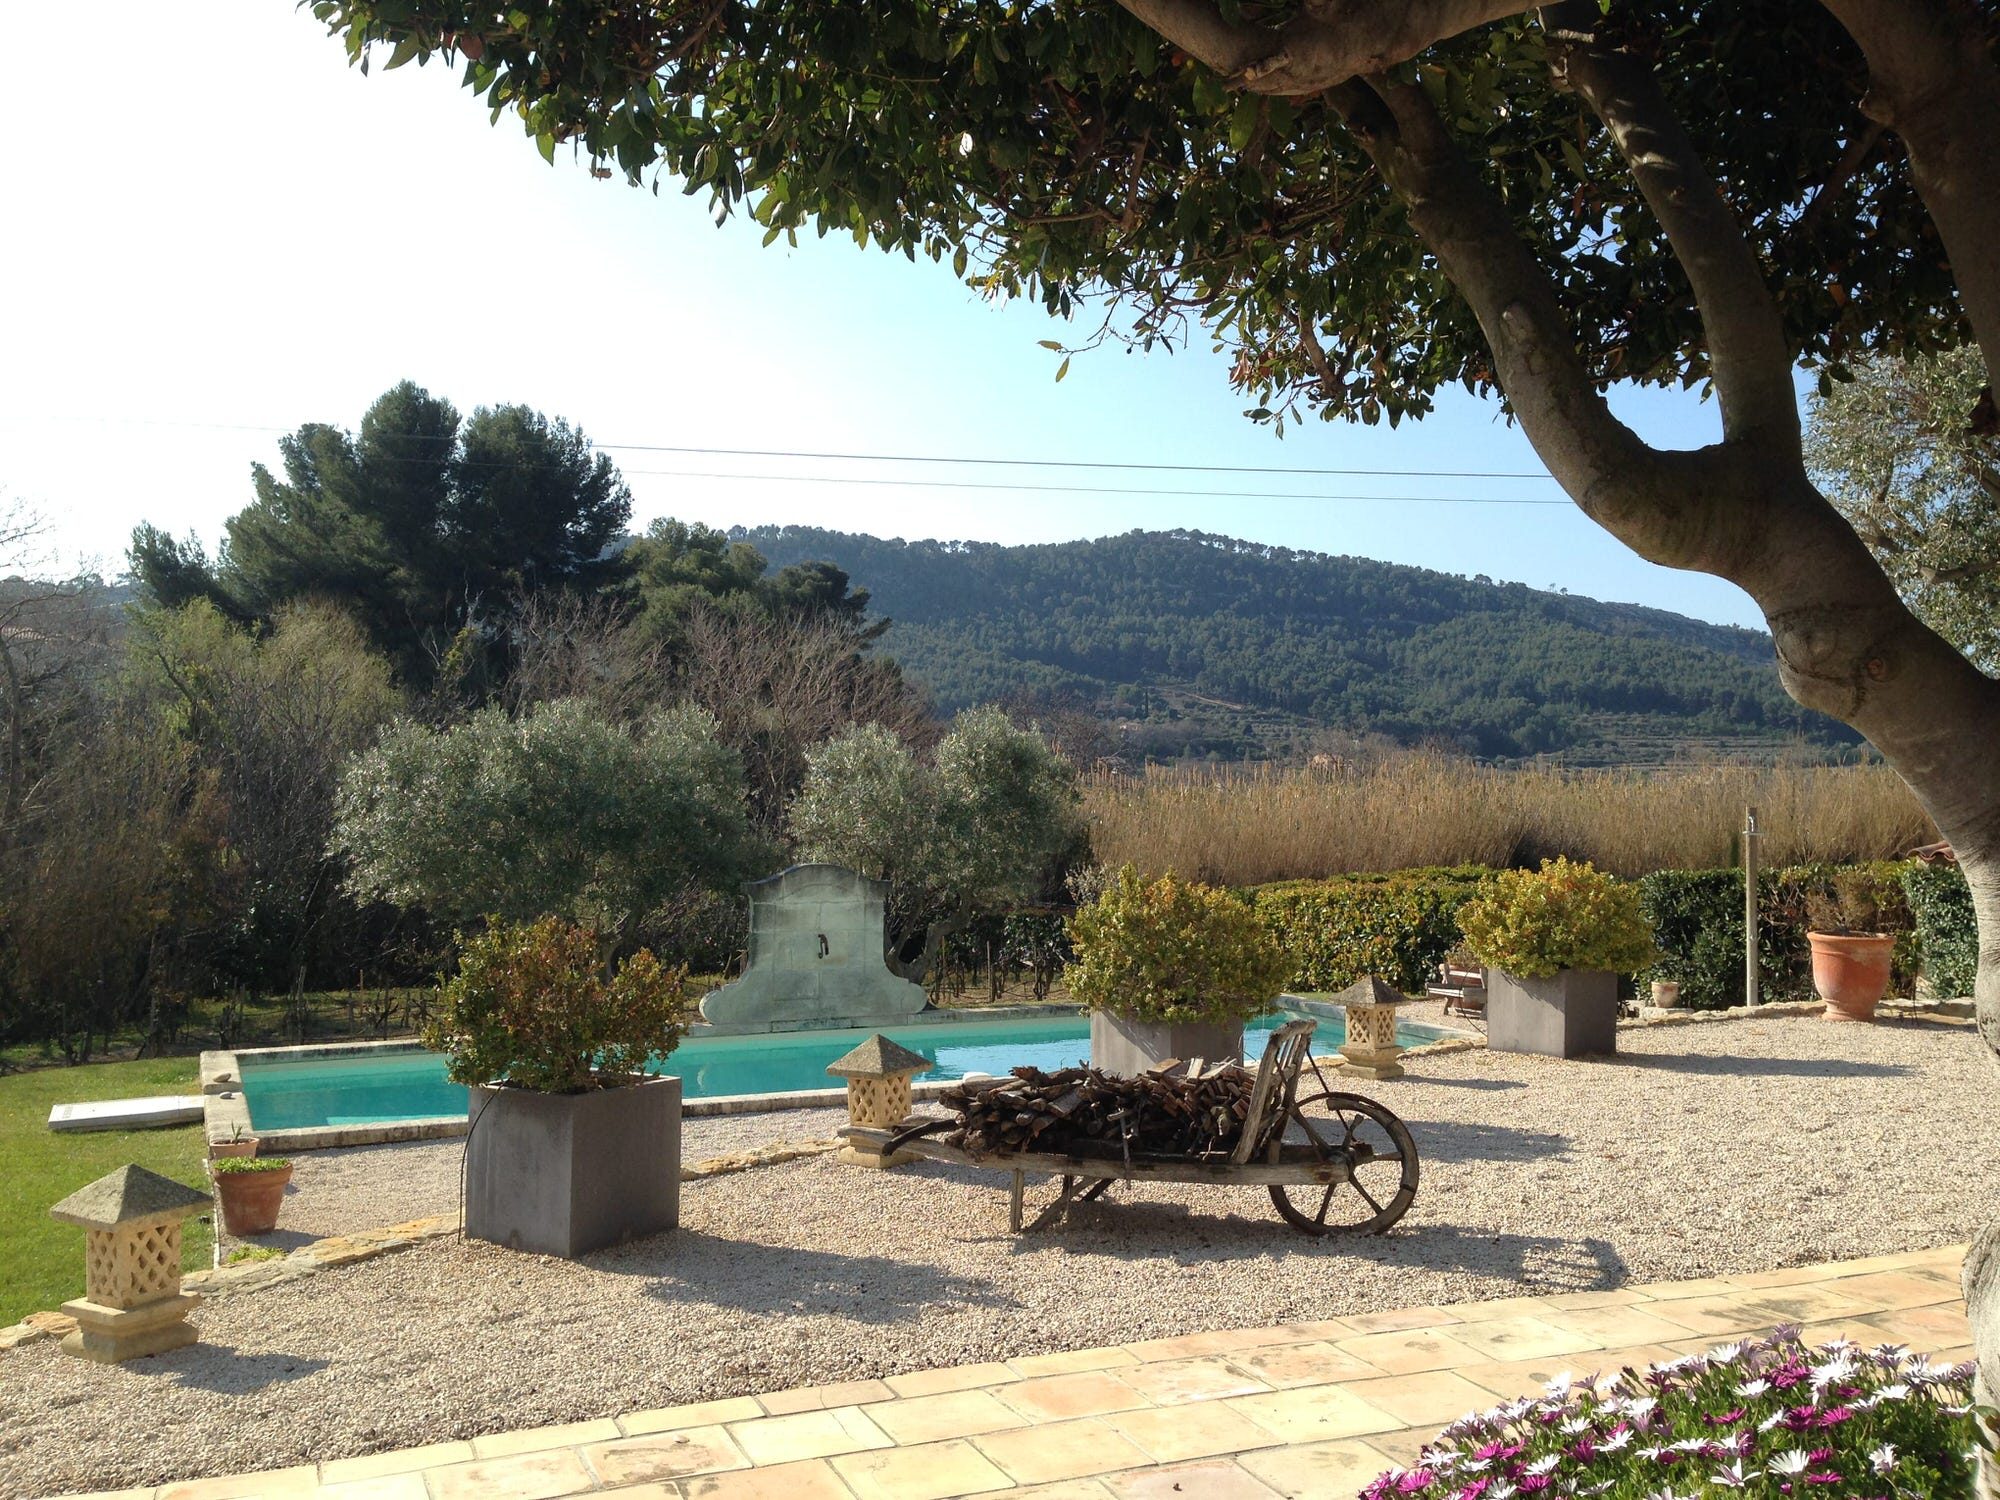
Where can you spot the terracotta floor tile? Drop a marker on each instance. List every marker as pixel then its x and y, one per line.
pixel 665 1455
pixel 1523 1338
pixel 1174 1381
pixel 1058 1398
pixel 1522 1377
pixel 813 1479
pixel 1783 1276
pixel 952 1378
pixel 1614 1327
pixel 821 1397
pixel 1070 1362
pixel 1397 1319
pixel 1404 1446
pixel 1926 1327
pixel 301 1480
pixel 1499 1307
pixel 382 1487
pixel 929 1471
pixel 698 1414
pixel 1065 1489
pixel 1406 1353
pixel 541 1439
pixel 1184 1346
pixel 950 1414
pixel 1316 1471
pixel 1889 1291
pixel 1210 1481
pixel 1432 1396
pixel 1807 1304
pixel 1624 1296
pixel 1287 1365
pixel 808 1434
pixel 1170 1434
pixel 1721 1316
pixel 1314 1414
pixel 523 1476
pixel 1324 1329
pixel 1062 1450
pixel 1680 1291
pixel 397 1461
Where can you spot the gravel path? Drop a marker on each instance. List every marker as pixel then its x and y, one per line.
pixel 1700 1150
pixel 369 1187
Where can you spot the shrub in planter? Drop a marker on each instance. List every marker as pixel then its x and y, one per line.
pixel 1766 1418
pixel 1555 941
pixel 1398 927
pixel 1170 968
pixel 252 1190
pixel 573 1145
pixel 1852 926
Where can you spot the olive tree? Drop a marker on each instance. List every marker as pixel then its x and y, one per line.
pixel 1368 200
pixel 1909 451
pixel 559 813
pixel 987 823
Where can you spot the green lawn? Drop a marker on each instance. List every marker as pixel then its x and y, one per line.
pixel 41 1261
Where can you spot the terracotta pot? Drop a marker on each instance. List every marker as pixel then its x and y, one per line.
pixel 1666 994
pixel 217 1150
pixel 1851 973
pixel 251 1200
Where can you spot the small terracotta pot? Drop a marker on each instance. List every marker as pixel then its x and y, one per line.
pixel 217 1150
pixel 1667 994
pixel 251 1200
pixel 1851 974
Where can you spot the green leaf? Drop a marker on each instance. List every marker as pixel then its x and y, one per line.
pixel 1063 368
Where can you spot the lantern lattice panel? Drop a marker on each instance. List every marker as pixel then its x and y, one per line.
pixel 1372 1026
pixel 878 1102
pixel 125 1267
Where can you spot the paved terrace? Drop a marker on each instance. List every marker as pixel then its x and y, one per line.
pixel 1307 1410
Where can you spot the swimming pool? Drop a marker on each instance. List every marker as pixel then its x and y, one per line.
pixel 376 1088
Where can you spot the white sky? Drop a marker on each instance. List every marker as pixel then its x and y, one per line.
pixel 260 237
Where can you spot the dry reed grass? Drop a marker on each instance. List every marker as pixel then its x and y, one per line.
pixel 1249 827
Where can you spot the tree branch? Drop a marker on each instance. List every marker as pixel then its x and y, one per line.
pixel 1749 357
pixel 1932 80
pixel 1328 43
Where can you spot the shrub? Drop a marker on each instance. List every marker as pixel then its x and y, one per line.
pixel 1172 950
pixel 1947 928
pixel 1563 916
pixel 1398 927
pixel 1769 1417
pixel 530 1005
pixel 1697 922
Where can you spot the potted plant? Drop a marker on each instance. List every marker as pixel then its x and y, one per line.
pixel 1169 968
pixel 240 1143
pixel 1555 941
pixel 1851 932
pixel 252 1190
pixel 573 1144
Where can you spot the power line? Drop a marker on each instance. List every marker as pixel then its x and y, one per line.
pixel 933 458
pixel 1083 489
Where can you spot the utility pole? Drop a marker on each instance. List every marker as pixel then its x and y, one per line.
pixel 1750 840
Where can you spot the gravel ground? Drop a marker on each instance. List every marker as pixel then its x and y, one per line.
pixel 369 1187
pixel 1700 1150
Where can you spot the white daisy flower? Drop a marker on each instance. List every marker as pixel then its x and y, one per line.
pixel 1752 1389
pixel 1883 1458
pixel 1791 1461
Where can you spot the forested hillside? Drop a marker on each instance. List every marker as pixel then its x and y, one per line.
pixel 1203 644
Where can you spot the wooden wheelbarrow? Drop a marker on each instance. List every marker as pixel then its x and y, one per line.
pixel 1333 1162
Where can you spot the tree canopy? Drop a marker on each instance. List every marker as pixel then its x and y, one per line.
pixel 422 523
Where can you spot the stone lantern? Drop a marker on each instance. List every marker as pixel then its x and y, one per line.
pixel 878 1074
pixel 132 1303
pixel 1371 1048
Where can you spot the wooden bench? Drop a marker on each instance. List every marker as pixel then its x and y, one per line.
pixel 1462 987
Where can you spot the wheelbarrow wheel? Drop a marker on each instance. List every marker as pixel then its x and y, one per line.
pixel 1380 1161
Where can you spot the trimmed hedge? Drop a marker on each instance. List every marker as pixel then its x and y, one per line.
pixel 1947 930
pixel 1397 926
pixel 1400 925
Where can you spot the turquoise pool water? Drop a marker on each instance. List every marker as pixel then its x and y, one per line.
pixel 364 1090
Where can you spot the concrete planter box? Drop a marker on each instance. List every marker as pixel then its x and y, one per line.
pixel 1566 1015
pixel 1127 1048
pixel 565 1174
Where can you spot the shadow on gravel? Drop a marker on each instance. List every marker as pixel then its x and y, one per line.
pixel 236 1376
pixel 1459 1140
pixel 1484 1085
pixel 693 1269
pixel 1754 1067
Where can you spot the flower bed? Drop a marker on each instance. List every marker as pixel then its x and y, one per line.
pixel 1766 1418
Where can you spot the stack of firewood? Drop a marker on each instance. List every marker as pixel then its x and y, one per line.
pixel 1080 1111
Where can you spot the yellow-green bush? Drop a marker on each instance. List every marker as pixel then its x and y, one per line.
pixel 1397 927
pixel 1172 950
pixel 1535 923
